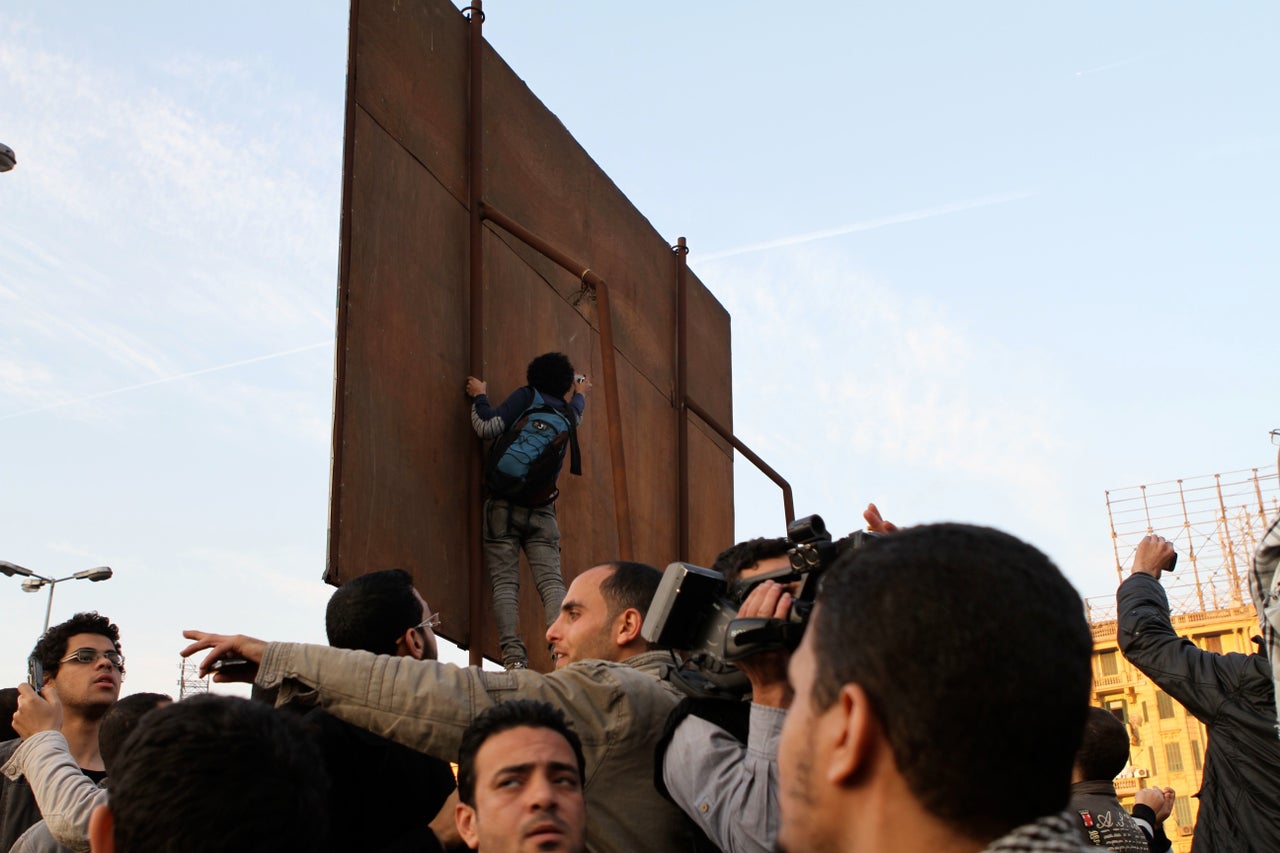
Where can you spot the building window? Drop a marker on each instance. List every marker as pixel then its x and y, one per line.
pixel 1145 718
pixel 1182 811
pixel 1151 754
pixel 1213 643
pixel 1118 708
pixel 1195 754
pixel 1110 666
pixel 1164 705
pixel 1173 756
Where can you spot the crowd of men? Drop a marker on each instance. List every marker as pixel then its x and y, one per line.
pixel 938 700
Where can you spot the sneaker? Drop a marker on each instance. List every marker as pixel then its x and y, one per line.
pixel 515 664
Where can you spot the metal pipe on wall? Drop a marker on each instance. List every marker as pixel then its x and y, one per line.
pixel 475 233
pixel 681 250
pixel 788 506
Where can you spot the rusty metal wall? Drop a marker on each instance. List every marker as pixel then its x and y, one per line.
pixel 402 464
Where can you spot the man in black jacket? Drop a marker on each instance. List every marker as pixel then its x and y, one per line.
pixel 1231 694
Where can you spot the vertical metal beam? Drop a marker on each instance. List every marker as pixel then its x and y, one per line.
pixel 1191 547
pixel 331 573
pixel 1228 545
pixel 621 494
pixel 1115 540
pixel 475 233
pixel 681 250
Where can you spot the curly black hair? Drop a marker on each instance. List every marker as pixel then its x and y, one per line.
pixel 51 648
pixel 551 373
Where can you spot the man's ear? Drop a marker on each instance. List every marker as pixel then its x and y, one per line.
pixel 411 644
pixel 854 736
pixel 102 830
pixel 627 626
pixel 465 817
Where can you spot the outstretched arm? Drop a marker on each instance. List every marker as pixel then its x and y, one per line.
pixel 1201 681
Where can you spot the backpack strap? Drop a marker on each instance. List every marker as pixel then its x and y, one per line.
pixel 575 455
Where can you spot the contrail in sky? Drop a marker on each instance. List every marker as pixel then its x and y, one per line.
pixel 1109 66
pixel 867 225
pixel 162 380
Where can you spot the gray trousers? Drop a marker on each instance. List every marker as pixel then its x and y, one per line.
pixel 507 529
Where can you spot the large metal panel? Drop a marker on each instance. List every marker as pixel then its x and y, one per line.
pixel 404 453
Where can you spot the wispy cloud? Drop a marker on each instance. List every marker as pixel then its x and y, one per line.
pixel 229 245
pixel 858 380
pixel 1110 65
pixel 869 224
pixel 100 395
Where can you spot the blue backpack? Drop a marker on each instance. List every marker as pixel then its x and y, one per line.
pixel 525 462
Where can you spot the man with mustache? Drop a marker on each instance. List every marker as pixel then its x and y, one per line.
pixel 520 772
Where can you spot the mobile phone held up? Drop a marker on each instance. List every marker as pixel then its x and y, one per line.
pixel 35 673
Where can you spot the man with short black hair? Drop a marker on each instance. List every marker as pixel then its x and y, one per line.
pixel 753 557
pixel 381 790
pixel 527 522
pixel 82 662
pixel 522 762
pixel 612 688
pixel 940 692
pixel 1102 821
pixel 215 773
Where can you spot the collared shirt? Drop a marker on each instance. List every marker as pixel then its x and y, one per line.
pixel 728 788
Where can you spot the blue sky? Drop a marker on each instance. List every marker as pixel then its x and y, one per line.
pixel 983 263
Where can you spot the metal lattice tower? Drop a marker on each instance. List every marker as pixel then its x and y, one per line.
pixel 1214 521
pixel 189 681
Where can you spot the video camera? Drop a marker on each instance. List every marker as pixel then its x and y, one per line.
pixel 695 610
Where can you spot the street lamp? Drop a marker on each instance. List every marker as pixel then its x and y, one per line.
pixel 7 158
pixel 35 582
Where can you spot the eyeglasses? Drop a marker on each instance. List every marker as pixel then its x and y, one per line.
pixel 433 622
pixel 87 655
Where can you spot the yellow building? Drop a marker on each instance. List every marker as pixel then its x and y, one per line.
pixel 1166 743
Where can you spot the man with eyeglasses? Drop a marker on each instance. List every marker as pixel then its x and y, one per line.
pixel 82 665
pixel 383 794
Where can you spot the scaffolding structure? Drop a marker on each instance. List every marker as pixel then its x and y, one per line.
pixel 1214 521
pixel 189 681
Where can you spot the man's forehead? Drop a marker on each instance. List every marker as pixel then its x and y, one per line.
pixel 522 746
pixel 89 641
pixel 586 586
pixel 767 564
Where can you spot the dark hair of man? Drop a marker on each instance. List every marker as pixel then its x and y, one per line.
pixel 732 560
pixel 630 585
pixel 8 705
pixel 216 773
pixel 120 721
pixel 499 718
pixel 51 648
pixel 1104 748
pixel 372 611
pixel 551 374
pixel 974 651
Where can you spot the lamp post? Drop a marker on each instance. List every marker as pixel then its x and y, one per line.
pixel 35 582
pixel 7 158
